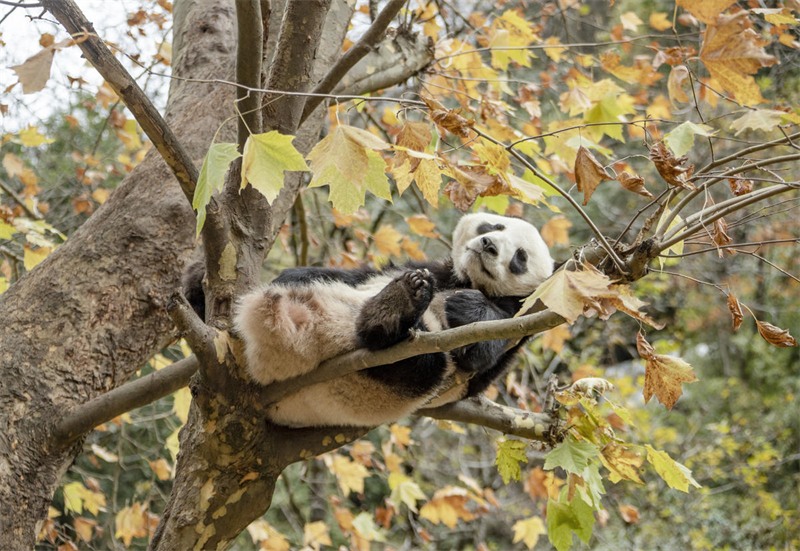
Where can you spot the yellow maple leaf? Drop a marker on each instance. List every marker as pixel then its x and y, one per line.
pixel 387 240
pixel 161 468
pixel 556 231
pixel 659 21
pixel 84 527
pixel 349 474
pixel 528 531
pixel 732 52
pixel 568 293
pixel 706 11
pixel 316 534
pixel 622 462
pixel 447 506
pixel 422 225
pixel 130 523
pixel 554 50
pixel 30 137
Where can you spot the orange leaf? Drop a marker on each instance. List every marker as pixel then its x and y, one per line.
pixel 556 231
pixel 775 335
pixel 588 173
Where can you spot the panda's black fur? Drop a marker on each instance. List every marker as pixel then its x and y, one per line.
pixel 308 315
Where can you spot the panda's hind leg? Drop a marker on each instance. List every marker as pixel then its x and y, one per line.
pixel 387 318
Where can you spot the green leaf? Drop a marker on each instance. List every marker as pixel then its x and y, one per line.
pixel 567 518
pixel 681 138
pixel 212 177
pixel 676 476
pixel 571 455
pixel 610 109
pixel 405 490
pixel 346 162
pixel 592 490
pixel 510 453
pixel 265 158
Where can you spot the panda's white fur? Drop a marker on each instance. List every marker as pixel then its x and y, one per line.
pixel 292 325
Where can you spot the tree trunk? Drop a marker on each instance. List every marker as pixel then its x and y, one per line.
pixel 87 318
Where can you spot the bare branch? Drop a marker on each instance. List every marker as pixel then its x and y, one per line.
pixel 199 335
pixel 249 53
pixel 132 395
pixel 393 62
pixel 70 16
pixel 356 52
pixel 699 220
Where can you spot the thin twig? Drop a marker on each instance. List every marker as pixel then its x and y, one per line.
pixel 153 124
pixel 356 52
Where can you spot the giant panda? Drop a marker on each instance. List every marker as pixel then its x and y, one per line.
pixel 308 315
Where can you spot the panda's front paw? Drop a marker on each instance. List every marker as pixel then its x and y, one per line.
pixel 419 284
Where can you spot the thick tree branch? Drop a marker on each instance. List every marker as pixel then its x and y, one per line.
pixel 482 411
pixel 368 41
pixel 132 395
pixel 292 68
pixel 70 16
pixel 250 43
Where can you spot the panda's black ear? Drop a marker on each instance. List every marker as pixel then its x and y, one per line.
pixel 487 227
pixel 192 283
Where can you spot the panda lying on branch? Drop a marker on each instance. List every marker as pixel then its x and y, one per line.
pixel 308 315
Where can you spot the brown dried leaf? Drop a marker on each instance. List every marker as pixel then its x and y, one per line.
pixel 740 186
pixel 721 237
pixel 449 119
pixel 736 311
pixel 622 462
pixel 629 513
pixel 588 173
pixel 663 375
pixel 467 185
pixel 775 335
pixel 670 167
pixel 634 183
pixel 34 71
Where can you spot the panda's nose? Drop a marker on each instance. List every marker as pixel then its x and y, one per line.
pixel 488 246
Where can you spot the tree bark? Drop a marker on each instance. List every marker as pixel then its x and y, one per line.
pixel 88 317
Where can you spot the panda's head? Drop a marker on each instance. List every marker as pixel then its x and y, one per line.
pixel 500 256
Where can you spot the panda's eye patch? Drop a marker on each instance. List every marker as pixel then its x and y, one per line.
pixel 519 264
pixel 486 228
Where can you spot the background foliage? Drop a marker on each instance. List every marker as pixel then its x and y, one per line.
pixel 574 74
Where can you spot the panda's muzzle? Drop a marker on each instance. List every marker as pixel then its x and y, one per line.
pixel 488 246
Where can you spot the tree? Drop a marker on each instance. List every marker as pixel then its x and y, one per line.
pixel 83 322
